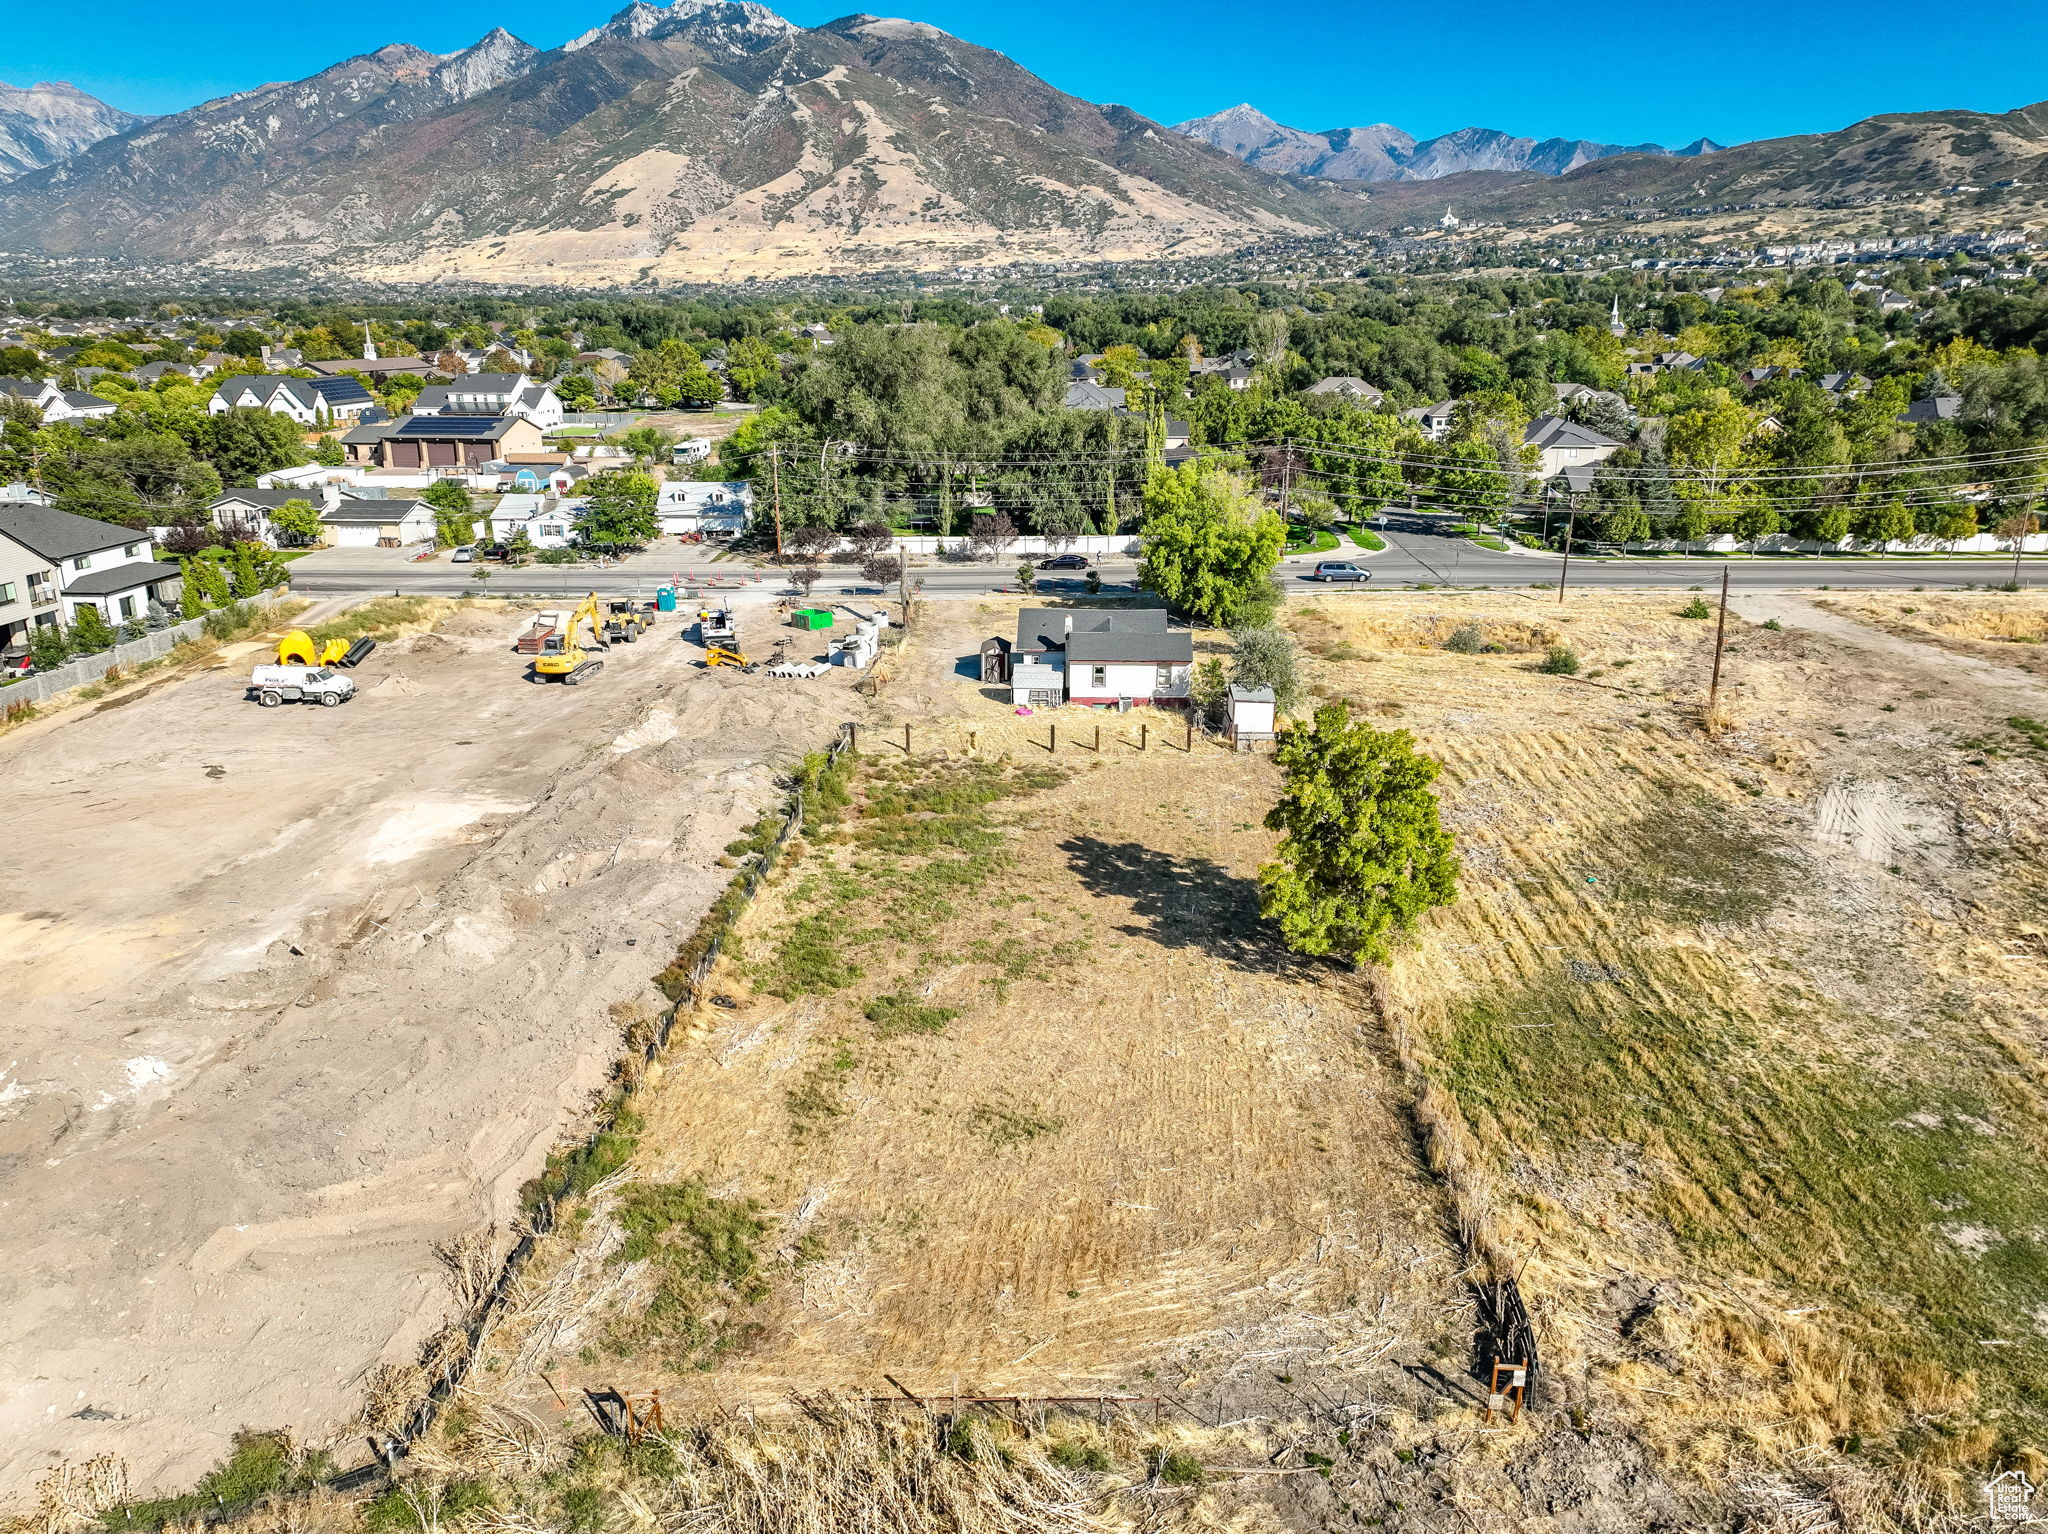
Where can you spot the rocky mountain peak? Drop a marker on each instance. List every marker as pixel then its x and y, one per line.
pixel 46 122
pixel 489 62
pixel 727 28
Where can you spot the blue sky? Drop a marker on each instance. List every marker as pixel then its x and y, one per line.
pixel 1599 70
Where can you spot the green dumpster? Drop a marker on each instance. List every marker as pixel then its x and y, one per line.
pixel 811 618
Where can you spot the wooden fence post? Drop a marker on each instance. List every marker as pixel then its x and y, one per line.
pixel 1144 731
pixel 1189 743
pixel 1098 740
pixel 906 740
pixel 1052 737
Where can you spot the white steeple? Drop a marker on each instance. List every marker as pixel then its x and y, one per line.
pixel 1614 324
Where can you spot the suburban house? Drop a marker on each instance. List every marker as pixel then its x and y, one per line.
pixel 150 372
pixel 717 510
pixel 1942 407
pixel 309 401
pixel 548 521
pixel 1573 393
pixel 1347 388
pixel 78 562
pixel 245 514
pixel 1434 420
pixel 1562 444
pixel 387 524
pixel 494 394
pixel 1113 659
pixel 1082 394
pixel 452 442
pixel 56 404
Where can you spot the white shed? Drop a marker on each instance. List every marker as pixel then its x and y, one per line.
pixel 1039 682
pixel 1251 713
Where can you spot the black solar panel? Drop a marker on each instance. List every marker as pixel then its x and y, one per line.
pixel 449 426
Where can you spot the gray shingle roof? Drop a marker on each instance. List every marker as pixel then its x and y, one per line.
pixel 58 534
pixel 104 583
pixel 369 511
pixel 1135 634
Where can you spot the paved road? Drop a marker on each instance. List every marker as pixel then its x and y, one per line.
pixel 1420 550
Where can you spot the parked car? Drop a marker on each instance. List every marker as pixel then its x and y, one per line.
pixel 463 556
pixel 1064 562
pixel 1341 570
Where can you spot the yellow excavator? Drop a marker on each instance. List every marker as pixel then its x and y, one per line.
pixel 562 658
pixel 299 648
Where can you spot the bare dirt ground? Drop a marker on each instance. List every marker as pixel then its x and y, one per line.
pixel 295 994
pixel 1732 1048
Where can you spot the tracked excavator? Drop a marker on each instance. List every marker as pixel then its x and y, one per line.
pixel 564 660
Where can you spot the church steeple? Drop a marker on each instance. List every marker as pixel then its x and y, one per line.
pixel 1614 323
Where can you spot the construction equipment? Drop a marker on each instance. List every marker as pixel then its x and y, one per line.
pixel 720 655
pixel 299 648
pixel 272 685
pixel 625 621
pixel 715 626
pixel 561 657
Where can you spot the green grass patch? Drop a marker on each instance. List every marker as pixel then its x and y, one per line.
pixel 895 1015
pixel 259 1465
pixel 1907 1199
pixel 1318 542
pixel 705 1254
pixel 1366 538
pixel 1006 1124
pixel 375 620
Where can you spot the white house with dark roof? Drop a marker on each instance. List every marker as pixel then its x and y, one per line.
pixel 495 394
pixel 1110 659
pixel 77 562
pixel 309 401
pixel 1434 420
pixel 56 404
pixel 716 508
pixel 1562 444
pixel 380 524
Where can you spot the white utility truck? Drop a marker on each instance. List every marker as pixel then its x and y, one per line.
pixel 272 685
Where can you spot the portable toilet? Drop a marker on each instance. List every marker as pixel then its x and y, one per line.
pixel 665 600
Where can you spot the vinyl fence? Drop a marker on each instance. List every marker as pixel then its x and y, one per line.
pixel 81 669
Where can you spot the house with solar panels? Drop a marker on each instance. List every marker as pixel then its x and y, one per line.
pixel 455 444
pixel 492 394
pixel 309 401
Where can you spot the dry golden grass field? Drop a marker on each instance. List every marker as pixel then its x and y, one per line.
pixel 1731 1051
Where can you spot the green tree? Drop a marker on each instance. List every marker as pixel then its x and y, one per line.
pixel 1265 657
pixel 1210 548
pixel 329 451
pixel 751 364
pixel 454 516
pixel 576 392
pixel 297 521
pixel 253 569
pixel 1363 852
pixel 48 646
pixel 1882 525
pixel 1955 524
pixel 242 444
pixel 619 509
pixel 90 630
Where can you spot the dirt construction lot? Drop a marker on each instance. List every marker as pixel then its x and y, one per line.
pixel 292 995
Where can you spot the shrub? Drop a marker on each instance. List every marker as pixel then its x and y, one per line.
pixel 1561 661
pixel 1173 1467
pixel 1696 608
pixel 1465 639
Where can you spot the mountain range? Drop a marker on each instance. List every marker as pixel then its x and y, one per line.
pixel 42 124
pixel 708 139
pixel 1382 152
pixel 712 140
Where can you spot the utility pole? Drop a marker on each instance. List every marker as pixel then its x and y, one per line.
pixel 1569 525
pixel 775 483
pixel 1720 638
pixel 1286 474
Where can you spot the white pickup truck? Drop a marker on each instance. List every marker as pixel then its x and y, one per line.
pixel 272 685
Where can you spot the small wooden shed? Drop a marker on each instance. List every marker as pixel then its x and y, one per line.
pixel 995 659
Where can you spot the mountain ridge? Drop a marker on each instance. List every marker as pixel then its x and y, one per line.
pixel 52 120
pixel 702 140
pixel 1383 152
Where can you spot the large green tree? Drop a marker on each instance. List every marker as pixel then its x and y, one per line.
pixel 1210 547
pixel 1363 852
pixel 619 509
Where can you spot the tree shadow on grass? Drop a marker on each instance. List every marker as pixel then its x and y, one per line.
pixel 1183 903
